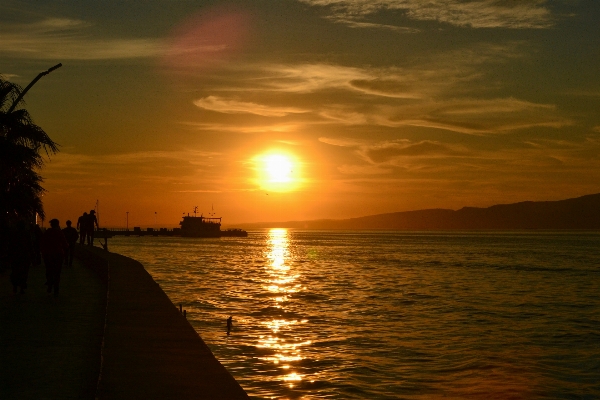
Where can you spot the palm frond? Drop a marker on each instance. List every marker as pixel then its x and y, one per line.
pixel 21 142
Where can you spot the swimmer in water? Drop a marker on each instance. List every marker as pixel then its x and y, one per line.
pixel 229 324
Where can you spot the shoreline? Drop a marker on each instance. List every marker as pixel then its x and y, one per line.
pixel 112 333
pixel 150 350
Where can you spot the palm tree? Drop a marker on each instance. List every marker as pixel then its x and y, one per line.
pixel 21 145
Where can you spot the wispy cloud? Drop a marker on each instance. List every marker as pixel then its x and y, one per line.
pixel 372 25
pixel 363 170
pixel 219 104
pixel 401 159
pixel 426 148
pixel 343 142
pixel 531 14
pixel 423 77
pixel 198 191
pixel 468 116
pixel 306 78
pixel 152 165
pixel 69 39
pixel 236 128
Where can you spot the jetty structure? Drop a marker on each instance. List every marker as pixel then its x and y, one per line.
pixel 191 226
pixel 112 333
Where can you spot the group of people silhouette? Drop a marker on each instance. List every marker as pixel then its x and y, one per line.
pixel 85 225
pixel 29 245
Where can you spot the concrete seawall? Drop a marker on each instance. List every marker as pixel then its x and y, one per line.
pixel 150 350
pixel 112 333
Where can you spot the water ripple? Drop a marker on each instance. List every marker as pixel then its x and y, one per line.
pixel 391 315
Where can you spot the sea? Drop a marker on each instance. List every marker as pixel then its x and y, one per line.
pixel 391 315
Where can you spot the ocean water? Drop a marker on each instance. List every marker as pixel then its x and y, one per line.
pixel 391 315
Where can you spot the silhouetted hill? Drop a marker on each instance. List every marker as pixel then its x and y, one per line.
pixel 578 213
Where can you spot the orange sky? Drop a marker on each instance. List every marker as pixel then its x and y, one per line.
pixel 377 107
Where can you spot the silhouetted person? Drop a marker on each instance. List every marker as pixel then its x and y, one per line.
pixel 105 244
pixel 4 246
pixel 20 253
pixel 82 227
pixel 36 240
pixel 229 324
pixel 71 235
pixel 54 246
pixel 92 220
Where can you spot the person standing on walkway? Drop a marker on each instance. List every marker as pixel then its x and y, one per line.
pixel 36 240
pixel 92 220
pixel 21 254
pixel 71 235
pixel 82 227
pixel 54 246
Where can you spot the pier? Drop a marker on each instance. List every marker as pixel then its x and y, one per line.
pixel 137 231
pixel 107 233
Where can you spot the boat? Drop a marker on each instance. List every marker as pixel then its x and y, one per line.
pixel 194 226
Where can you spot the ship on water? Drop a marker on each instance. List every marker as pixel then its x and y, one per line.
pixel 194 226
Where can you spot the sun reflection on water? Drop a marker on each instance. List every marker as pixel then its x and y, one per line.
pixel 281 283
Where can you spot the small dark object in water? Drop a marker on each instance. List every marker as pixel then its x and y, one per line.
pixel 229 324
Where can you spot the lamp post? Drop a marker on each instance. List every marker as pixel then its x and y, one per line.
pixel 155 224
pixel 127 220
pixel 37 78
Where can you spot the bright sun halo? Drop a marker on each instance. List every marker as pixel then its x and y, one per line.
pixel 278 172
pixel 279 168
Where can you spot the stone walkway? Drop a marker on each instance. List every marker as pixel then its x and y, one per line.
pixel 150 350
pixel 49 347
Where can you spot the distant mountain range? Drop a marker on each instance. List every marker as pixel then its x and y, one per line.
pixel 578 213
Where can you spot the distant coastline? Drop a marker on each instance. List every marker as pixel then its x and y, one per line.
pixel 581 213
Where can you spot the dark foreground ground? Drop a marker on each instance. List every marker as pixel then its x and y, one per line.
pixel 49 347
pixel 60 348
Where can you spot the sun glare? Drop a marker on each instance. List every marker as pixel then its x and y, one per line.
pixel 278 172
pixel 279 168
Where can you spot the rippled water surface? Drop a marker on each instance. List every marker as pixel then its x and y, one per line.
pixel 391 315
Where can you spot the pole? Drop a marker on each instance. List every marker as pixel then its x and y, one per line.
pixel 37 78
pixel 127 219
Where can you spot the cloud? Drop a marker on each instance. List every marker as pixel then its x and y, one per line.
pixel 218 104
pixel 306 78
pixel 476 117
pixel 343 142
pixel 394 82
pixel 530 14
pixel 68 39
pixel 363 170
pixel 148 163
pixel 419 78
pixel 468 116
pixel 402 159
pixel 235 128
pixel 388 151
pixel 344 117
pixel 358 24
pixel 198 191
pixel 444 91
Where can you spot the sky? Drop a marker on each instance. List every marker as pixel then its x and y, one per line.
pixel 307 109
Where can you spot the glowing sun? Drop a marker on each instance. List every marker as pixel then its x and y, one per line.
pixel 278 168
pixel 278 172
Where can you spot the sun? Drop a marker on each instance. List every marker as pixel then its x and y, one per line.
pixel 278 168
pixel 278 172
